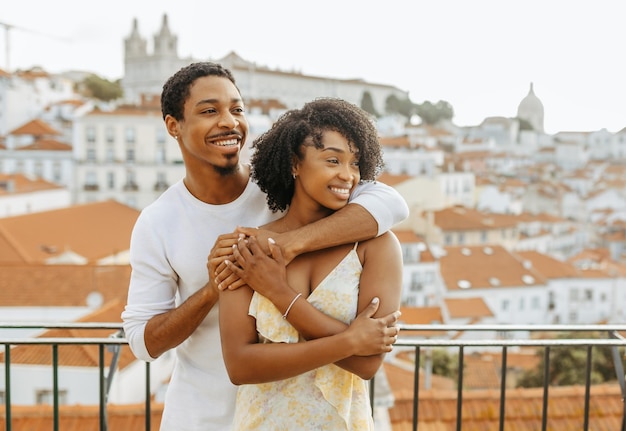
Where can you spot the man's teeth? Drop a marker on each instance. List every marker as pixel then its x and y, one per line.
pixel 226 143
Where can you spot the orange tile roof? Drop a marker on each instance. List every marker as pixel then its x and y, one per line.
pixel 548 266
pixel 23 184
pixel 485 267
pixel 463 308
pixel 421 316
pixel 392 180
pixel 65 285
pixel 462 218
pixel 94 231
pixel 47 145
pixel 395 141
pixel 35 127
pixel 523 409
pixel 407 236
pixel 129 417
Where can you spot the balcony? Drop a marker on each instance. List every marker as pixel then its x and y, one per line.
pixel 591 407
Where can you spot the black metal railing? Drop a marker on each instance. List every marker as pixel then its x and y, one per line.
pixel 116 340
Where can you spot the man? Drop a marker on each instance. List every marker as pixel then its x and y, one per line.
pixel 172 295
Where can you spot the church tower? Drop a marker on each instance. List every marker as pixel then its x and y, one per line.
pixel 135 46
pixel 531 110
pixel 145 72
pixel 165 43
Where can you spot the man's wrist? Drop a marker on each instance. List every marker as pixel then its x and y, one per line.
pixel 291 245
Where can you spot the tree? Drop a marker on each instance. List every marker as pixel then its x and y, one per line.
pixel 568 365
pixel 102 89
pixel 432 113
pixel 400 106
pixel 367 104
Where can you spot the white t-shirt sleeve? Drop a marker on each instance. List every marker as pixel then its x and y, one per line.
pixel 383 202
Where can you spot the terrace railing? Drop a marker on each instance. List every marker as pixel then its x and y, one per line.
pixel 116 341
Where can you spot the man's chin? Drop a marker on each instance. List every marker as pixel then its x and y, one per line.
pixel 227 170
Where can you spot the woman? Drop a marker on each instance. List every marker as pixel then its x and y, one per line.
pixel 300 367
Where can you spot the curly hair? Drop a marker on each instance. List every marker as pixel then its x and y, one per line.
pixel 274 151
pixel 176 88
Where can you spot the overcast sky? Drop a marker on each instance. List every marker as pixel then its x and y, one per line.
pixel 478 55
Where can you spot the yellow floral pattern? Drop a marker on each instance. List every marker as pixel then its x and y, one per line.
pixel 328 398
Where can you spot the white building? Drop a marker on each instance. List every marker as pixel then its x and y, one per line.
pixel 126 155
pixel 24 95
pixel 145 73
pixel 34 149
pixel 22 195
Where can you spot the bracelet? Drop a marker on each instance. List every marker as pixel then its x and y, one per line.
pixel 291 305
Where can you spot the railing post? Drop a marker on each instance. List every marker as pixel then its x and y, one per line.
pixel 7 385
pixel 416 386
pixel 55 385
pixel 459 399
pixel 546 382
pixel 587 388
pixel 102 396
pixel 148 406
pixel 503 388
pixel 619 373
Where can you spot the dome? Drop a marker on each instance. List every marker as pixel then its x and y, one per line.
pixel 531 110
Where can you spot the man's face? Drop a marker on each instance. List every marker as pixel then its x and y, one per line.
pixel 214 128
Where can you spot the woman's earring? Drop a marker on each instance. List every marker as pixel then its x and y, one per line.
pixel 294 176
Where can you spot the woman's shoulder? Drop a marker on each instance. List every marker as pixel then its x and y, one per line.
pixel 380 245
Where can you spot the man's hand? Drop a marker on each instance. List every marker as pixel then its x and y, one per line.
pixel 373 336
pixel 284 240
pixel 219 273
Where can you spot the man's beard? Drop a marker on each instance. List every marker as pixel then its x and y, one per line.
pixel 226 171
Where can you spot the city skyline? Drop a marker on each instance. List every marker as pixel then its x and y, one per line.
pixel 479 56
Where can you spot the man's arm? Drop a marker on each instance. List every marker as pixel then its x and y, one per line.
pixel 374 208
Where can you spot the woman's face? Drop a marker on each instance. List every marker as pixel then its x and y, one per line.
pixel 328 175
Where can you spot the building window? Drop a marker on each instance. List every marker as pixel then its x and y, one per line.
pixel 505 305
pixel 588 295
pixel 461 238
pixel 535 303
pixel 130 155
pixel 110 154
pixel 573 295
pixel 160 153
pixel 46 396
pixel 38 169
pixel 160 135
pixel 161 182
pixel 130 135
pixel 91 154
pixel 56 172
pixel 416 282
pixel 131 181
pixel 90 134
pixel 109 134
pixel 483 236
pixel 91 181
pixel 111 180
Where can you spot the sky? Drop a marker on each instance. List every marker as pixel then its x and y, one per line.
pixel 478 55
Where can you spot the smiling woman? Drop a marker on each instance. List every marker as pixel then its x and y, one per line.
pixel 308 163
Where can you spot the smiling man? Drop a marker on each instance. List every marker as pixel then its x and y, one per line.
pixel 172 295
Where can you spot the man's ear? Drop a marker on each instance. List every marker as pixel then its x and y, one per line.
pixel 172 126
